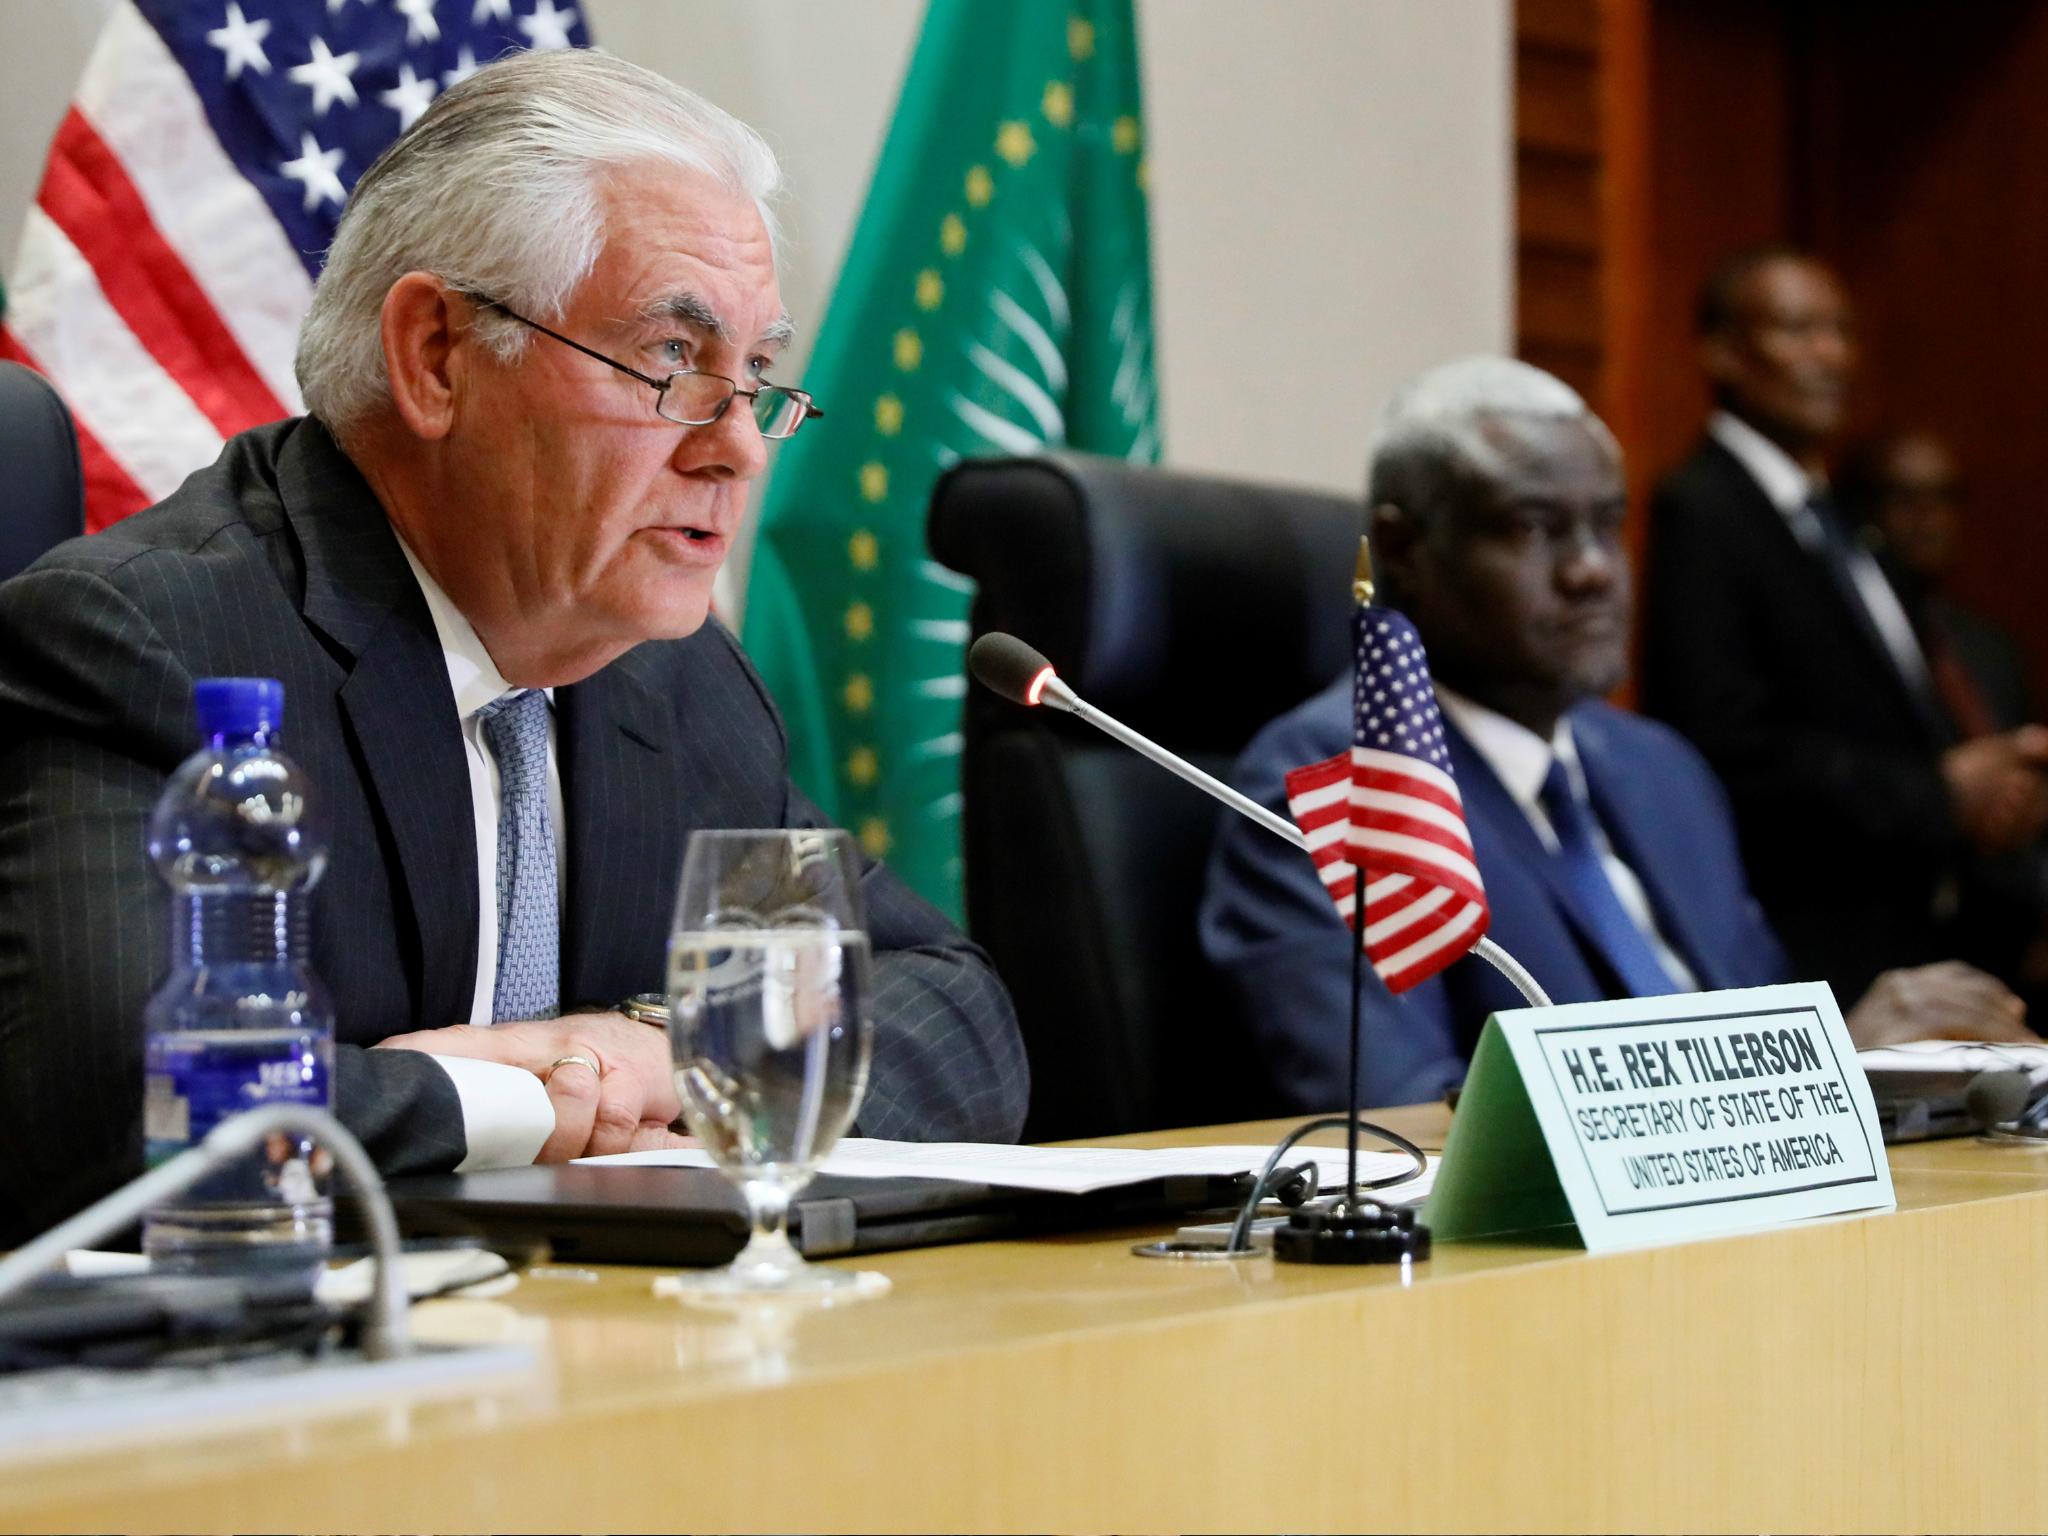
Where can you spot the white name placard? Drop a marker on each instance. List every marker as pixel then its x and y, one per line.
pixel 1672 1117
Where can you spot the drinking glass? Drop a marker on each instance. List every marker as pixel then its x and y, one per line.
pixel 768 980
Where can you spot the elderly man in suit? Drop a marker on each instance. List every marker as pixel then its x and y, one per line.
pixel 1610 863
pixel 1773 640
pixel 537 371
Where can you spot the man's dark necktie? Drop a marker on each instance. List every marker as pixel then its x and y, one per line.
pixel 1624 946
pixel 529 925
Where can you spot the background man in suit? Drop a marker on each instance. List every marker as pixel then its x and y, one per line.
pixel 1610 863
pixel 484 517
pixel 1906 493
pixel 1773 640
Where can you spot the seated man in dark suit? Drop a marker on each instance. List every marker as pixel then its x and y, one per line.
pixel 525 459
pixel 1610 863
pixel 1774 642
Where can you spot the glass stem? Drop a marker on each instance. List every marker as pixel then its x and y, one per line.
pixel 769 1255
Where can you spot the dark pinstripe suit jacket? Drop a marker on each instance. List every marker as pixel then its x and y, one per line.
pixel 277 561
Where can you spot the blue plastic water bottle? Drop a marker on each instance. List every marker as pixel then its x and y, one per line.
pixel 241 1020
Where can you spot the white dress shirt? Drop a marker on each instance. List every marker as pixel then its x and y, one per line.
pixel 506 1116
pixel 1521 760
pixel 1790 488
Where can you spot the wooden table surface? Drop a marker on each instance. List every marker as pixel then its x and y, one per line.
pixel 1861 1373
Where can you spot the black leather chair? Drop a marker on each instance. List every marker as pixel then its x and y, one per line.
pixel 42 488
pixel 1195 609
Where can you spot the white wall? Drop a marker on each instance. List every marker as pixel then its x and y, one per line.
pixel 1331 182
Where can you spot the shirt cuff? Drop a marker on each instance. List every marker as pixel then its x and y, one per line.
pixel 506 1115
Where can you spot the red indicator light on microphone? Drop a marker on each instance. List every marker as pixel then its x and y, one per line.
pixel 1037 685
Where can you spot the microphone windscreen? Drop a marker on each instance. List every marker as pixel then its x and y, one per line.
pixel 1006 665
pixel 1996 1098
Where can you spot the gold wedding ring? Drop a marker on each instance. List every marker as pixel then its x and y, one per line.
pixel 579 1059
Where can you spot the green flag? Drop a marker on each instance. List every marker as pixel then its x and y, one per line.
pixel 996 299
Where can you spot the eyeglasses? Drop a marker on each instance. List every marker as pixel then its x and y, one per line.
pixel 690 397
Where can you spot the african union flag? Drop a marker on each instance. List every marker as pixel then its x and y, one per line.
pixel 996 299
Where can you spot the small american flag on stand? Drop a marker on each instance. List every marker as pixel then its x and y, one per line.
pixel 1391 808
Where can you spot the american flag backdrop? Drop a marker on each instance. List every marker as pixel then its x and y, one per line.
pixel 190 196
pixel 1391 808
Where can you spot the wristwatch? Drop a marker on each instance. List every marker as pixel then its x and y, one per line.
pixel 646 1007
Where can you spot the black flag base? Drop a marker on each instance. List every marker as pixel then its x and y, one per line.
pixel 1358 1232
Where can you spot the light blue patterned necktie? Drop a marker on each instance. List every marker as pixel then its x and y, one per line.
pixel 529 984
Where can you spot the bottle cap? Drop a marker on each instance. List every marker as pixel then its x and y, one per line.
pixel 238 706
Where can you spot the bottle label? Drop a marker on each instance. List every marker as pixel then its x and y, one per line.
pixel 194 1079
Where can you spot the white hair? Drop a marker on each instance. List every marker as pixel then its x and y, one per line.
pixel 1432 434
pixel 497 189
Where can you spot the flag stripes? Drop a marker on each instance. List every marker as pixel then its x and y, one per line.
pixel 169 257
pixel 1390 807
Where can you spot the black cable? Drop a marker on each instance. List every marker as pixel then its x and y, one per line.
pixel 1241 1229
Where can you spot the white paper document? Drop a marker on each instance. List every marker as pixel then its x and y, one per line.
pixel 1064 1170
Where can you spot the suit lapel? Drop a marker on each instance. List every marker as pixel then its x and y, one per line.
pixel 1831 586
pixel 398 706
pixel 622 764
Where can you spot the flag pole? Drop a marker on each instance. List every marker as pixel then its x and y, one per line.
pixel 1361 596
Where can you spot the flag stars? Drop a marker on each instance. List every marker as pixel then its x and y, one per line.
pixel 326 74
pixel 888 415
pixel 864 551
pixel 874 482
pixel 862 769
pixel 1123 137
pixel 547 27
pixel 860 621
pixel 1080 39
pixel 409 98
pixel 908 350
pixel 931 290
pixel 874 838
pixel 1014 143
pixel 465 66
pixel 952 234
pixel 980 186
pixel 490 10
pixel 1058 103
pixel 317 170
pixel 240 40
pixel 420 26
pixel 859 694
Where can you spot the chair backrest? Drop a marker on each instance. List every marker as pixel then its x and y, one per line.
pixel 42 489
pixel 1195 609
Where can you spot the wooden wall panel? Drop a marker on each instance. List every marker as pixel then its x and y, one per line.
pixel 1904 143
pixel 1925 186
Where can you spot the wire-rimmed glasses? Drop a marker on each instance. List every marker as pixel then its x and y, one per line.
pixel 691 397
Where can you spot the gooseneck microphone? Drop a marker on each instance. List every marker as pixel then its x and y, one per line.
pixel 1007 666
